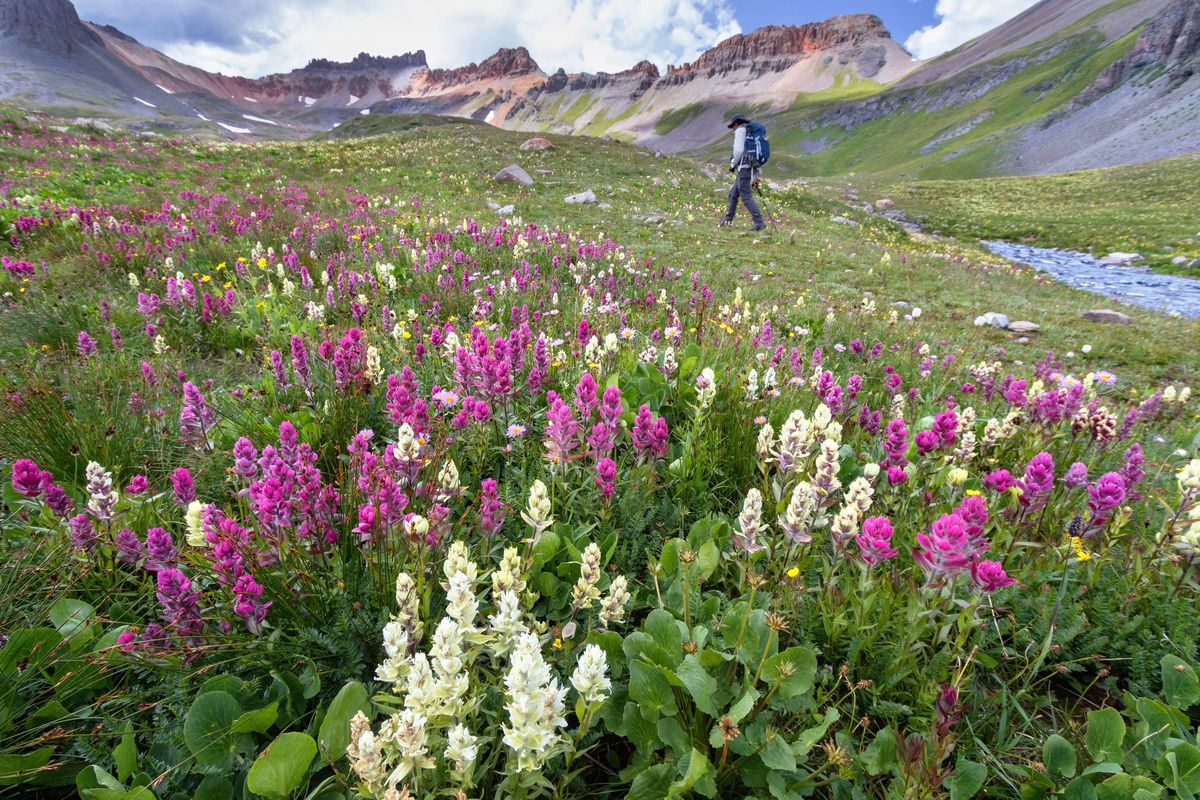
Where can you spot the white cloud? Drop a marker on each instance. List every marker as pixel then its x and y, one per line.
pixel 960 21
pixel 280 35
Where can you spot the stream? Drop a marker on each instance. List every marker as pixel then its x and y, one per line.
pixel 1134 285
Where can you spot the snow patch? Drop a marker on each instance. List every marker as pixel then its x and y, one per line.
pixel 365 111
pixel 201 116
pixel 353 100
pixel 165 89
pixel 249 99
pixel 308 101
pixel 143 102
pixel 491 115
pixel 233 128
pixel 259 119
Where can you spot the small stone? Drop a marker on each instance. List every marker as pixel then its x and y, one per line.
pixel 537 143
pixel 1022 340
pixel 505 211
pixel 844 221
pixel 884 204
pixel 993 318
pixel 493 205
pixel 1106 316
pixel 901 304
pixel 604 206
pixel 582 197
pixel 652 219
pixel 1179 261
pixel 513 174
pixel 1024 326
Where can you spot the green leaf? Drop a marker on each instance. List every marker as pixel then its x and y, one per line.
pixel 745 703
pixel 666 631
pixel 652 783
pixel 1059 757
pixel 70 616
pixel 213 787
pixel 125 754
pixel 92 777
pixel 700 684
pixel 693 768
pixel 16 769
pixel 777 753
pixel 671 734
pixel 279 770
pixel 1105 734
pixel 967 779
pixel 1180 685
pixel 30 648
pixel 1179 767
pixel 639 730
pixel 258 721
pixel 334 735
pixel 708 557
pixel 880 756
pixel 792 670
pixel 1080 789
pixel 1118 787
pixel 208 729
pixel 649 688
pixel 808 738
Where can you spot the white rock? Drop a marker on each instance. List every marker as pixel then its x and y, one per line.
pixel 993 318
pixel 1024 326
pixel 582 197
pixel 505 210
pixel 884 204
pixel 1121 259
pixel 1179 260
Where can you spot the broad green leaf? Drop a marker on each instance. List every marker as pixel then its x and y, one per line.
pixel 792 671
pixel 671 734
pixel 93 777
pixel 279 770
pixel 70 616
pixel 808 738
pixel 745 703
pixel 1180 686
pixel 649 688
pixel 1059 757
pixel 666 631
pixel 639 730
pixel 208 729
pixel 708 557
pixel 700 684
pixel 213 787
pixel 652 783
pixel 334 735
pixel 1080 789
pixel 967 779
pixel 777 753
pixel 258 721
pixel 1179 768
pixel 880 756
pixel 125 754
pixel 693 768
pixel 1105 734
pixel 31 648
pixel 1162 722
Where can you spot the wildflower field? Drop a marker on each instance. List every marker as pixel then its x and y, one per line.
pixel 326 480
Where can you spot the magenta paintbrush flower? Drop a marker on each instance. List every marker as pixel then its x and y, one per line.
pixel 990 576
pixel 875 541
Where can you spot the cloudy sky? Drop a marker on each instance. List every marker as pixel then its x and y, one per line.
pixel 263 36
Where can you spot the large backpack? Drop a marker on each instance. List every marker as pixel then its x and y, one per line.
pixel 757 146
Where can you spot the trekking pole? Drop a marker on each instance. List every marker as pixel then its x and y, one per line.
pixel 763 198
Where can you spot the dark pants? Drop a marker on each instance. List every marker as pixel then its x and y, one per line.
pixel 742 189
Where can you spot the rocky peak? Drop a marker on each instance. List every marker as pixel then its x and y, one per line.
pixel 776 47
pixel 365 62
pixel 52 26
pixel 507 62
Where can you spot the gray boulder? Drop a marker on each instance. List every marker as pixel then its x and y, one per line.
pixel 1121 259
pixel 1106 316
pixel 1024 326
pixel 513 173
pixel 884 204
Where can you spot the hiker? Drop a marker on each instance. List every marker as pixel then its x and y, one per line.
pixel 747 176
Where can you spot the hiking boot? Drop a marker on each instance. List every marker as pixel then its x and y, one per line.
pixel 725 223
pixel 759 227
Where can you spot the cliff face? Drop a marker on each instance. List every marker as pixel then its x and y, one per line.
pixel 777 47
pixel 505 63
pixel 1170 40
pixel 51 26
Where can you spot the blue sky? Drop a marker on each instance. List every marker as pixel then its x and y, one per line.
pixel 255 38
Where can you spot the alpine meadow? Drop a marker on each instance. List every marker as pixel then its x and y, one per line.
pixel 448 442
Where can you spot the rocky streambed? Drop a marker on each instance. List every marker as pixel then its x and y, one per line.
pixel 1130 284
